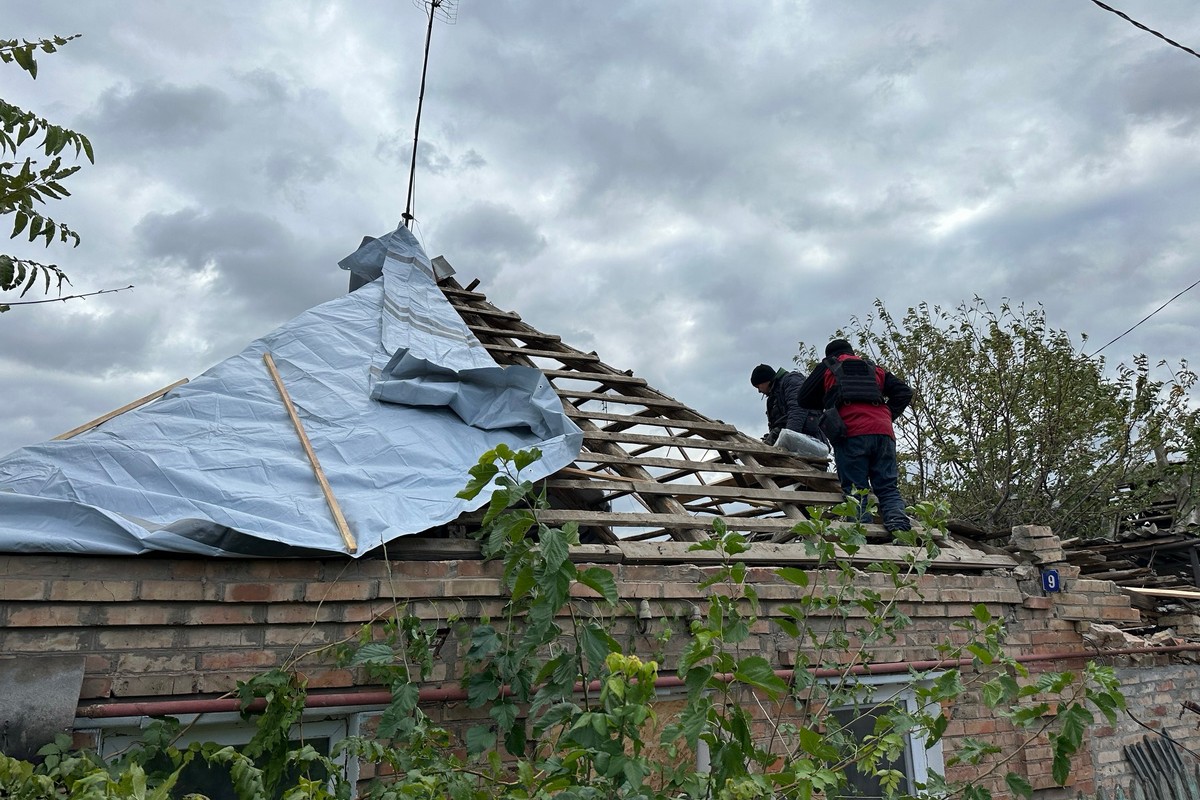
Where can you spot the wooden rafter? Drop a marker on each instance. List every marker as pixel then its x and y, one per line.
pixel 681 468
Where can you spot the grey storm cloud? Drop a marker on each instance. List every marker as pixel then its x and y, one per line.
pixel 489 235
pixel 254 255
pixel 161 115
pixel 432 159
pixel 689 187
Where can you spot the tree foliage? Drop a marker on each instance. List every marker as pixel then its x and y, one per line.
pixel 571 712
pixel 32 172
pixel 1012 423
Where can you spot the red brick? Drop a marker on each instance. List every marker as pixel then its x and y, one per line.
pixel 238 659
pixel 1117 614
pixel 138 663
pixel 309 635
pixel 209 636
pixel 404 588
pixel 92 591
pixel 42 566
pixel 274 570
pixel 1038 603
pixel 177 590
pixel 223 615
pixel 261 592
pixel 44 615
pixel 463 587
pixel 478 569
pixel 143 614
pixel 299 614
pixel 329 678
pixel 136 638
pixel 221 682
pixel 153 685
pixel 97 664
pixel 39 641
pixel 341 591
pixel 95 687
pixel 19 589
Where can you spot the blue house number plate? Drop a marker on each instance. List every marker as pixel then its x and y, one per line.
pixel 1050 580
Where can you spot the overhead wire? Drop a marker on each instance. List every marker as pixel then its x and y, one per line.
pixel 1137 24
pixel 1143 319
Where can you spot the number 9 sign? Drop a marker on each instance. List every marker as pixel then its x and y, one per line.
pixel 1051 581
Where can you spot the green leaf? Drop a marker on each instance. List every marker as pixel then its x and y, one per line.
pixel 479 739
pixel 1060 767
pixel 980 652
pixel 482 688
pixel 19 222
pixel 600 580
pixel 373 653
pixel 481 475
pixel 793 575
pixel 597 643
pixel 524 582
pixel 484 643
pixel 523 458
pixel 1074 721
pixel 1018 786
pixel 554 549
pixel 788 627
pixel 563 713
pixel 756 671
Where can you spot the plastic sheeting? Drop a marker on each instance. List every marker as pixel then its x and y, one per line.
pixel 398 400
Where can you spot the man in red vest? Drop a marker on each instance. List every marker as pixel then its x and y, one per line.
pixel 858 401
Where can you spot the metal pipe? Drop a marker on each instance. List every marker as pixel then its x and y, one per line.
pixel 455 694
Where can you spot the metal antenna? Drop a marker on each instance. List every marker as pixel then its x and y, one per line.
pixel 447 11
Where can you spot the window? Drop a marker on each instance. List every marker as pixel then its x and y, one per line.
pixel 213 781
pixel 916 761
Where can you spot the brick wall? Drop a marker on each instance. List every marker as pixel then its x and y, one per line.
pixel 169 627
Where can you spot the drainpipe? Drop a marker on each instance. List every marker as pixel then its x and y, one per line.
pixel 455 694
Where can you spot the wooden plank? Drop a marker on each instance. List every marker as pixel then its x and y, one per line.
pixel 659 422
pixel 739 445
pixel 662 504
pixel 701 490
pixel 706 466
pixel 494 313
pixel 596 377
pixel 466 294
pixel 414 548
pixel 421 548
pixel 767 553
pixel 141 401
pixel 513 333
pixel 561 355
pixel 334 508
pixel 630 399
pixel 634 519
pixel 1190 594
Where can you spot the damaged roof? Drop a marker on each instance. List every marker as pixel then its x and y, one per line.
pixel 354 425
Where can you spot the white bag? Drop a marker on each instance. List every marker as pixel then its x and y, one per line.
pixel 802 444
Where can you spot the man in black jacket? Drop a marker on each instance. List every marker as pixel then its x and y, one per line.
pixel 783 407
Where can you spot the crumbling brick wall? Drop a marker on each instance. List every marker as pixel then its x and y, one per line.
pixel 172 627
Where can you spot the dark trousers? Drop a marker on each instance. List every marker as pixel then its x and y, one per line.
pixel 869 461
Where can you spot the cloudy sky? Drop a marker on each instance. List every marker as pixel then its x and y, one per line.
pixel 689 187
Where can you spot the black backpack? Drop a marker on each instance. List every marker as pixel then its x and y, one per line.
pixel 854 381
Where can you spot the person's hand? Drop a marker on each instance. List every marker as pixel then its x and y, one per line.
pixel 770 436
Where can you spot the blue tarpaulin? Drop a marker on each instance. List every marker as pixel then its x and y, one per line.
pixel 396 395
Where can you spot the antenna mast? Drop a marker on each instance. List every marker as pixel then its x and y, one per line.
pixel 447 11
